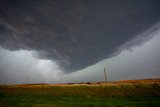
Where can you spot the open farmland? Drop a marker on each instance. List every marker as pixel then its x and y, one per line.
pixel 128 93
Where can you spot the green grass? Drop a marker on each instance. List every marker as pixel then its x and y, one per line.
pixel 139 95
pixel 70 101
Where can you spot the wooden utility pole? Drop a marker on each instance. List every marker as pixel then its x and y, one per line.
pixel 105 74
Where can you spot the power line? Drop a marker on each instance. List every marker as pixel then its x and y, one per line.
pixel 105 75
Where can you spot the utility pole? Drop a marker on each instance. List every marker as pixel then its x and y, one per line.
pixel 105 74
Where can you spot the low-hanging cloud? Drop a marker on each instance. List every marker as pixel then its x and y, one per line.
pixel 139 62
pixel 24 67
pixel 76 33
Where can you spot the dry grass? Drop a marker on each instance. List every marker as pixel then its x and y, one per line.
pixel 32 94
pixel 101 83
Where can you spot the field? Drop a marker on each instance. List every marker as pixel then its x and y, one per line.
pixel 126 93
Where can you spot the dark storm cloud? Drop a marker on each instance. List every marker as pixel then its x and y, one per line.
pixel 77 33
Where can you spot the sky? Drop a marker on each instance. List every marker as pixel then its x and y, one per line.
pixel 56 41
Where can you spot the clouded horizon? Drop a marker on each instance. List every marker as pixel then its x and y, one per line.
pixel 56 41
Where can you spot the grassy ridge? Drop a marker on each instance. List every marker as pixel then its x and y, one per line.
pixel 76 96
pixel 150 90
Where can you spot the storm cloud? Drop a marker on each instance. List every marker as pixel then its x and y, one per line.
pixel 142 61
pixel 137 62
pixel 75 33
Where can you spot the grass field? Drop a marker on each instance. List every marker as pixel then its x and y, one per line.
pixel 127 93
